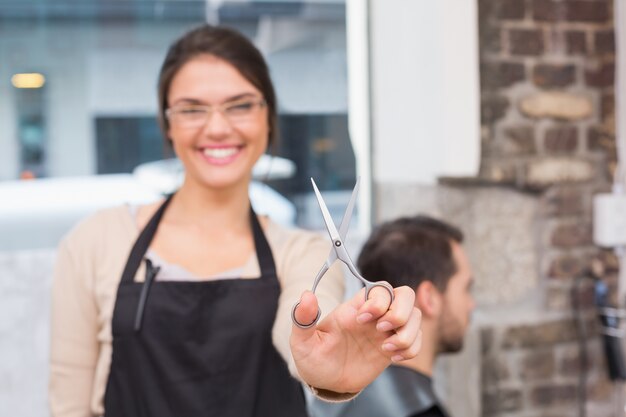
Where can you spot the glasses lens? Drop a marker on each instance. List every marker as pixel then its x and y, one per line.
pixel 241 110
pixel 196 116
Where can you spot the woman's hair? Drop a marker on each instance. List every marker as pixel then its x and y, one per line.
pixel 410 250
pixel 226 44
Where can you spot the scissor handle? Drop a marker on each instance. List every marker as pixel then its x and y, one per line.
pixel 300 325
pixel 318 278
pixel 369 286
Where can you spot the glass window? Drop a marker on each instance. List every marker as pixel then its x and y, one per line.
pixel 321 149
pixel 31 131
pixel 123 143
pixel 95 112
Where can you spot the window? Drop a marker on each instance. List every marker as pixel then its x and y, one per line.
pixel 96 112
pixel 122 143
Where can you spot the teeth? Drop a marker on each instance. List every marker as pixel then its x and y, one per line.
pixel 219 152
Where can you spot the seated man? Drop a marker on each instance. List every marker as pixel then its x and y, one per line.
pixel 425 254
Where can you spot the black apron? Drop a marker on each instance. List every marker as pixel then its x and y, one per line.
pixel 198 348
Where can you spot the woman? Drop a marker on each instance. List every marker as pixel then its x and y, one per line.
pixel 182 308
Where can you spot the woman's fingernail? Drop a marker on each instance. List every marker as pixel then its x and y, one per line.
pixel 397 358
pixel 384 326
pixel 364 318
pixel 389 347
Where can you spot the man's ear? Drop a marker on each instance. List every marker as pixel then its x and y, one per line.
pixel 428 299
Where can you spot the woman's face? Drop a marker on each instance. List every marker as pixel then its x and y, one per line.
pixel 218 123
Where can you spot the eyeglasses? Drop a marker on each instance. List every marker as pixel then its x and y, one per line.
pixel 191 116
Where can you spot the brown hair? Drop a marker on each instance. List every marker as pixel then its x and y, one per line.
pixel 226 44
pixel 410 250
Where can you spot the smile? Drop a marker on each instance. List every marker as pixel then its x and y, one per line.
pixel 220 153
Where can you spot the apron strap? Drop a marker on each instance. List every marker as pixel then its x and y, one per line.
pixel 263 250
pixel 143 243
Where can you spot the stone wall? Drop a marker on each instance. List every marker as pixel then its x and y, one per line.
pixel 548 127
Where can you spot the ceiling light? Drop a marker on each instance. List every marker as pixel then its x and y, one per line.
pixel 28 80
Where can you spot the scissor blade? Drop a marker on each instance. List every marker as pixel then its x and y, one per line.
pixel 347 216
pixel 330 226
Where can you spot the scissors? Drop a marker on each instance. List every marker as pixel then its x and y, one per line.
pixel 338 252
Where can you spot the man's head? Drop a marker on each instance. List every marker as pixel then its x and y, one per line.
pixel 425 254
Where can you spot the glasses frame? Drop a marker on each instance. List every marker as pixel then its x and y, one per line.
pixel 210 109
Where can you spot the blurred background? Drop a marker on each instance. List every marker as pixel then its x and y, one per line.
pixel 501 116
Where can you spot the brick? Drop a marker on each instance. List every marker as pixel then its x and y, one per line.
pixel 551 395
pixel 490 38
pixel 494 370
pixel 554 75
pixel 558 298
pixel 604 76
pixel 548 10
pixel 510 9
pixel 565 267
pixel 601 140
pixel 537 365
pixel 604 42
pixel 501 400
pixel 526 42
pixel 521 139
pixel 545 172
pixel 571 235
pixel 557 105
pixel 486 10
pixel 570 363
pixel 576 42
pixel 563 201
pixel 503 147
pixel 571 10
pixel 607 107
pixel 543 334
pixel 494 75
pixel 562 139
pixel 596 11
pixel 493 108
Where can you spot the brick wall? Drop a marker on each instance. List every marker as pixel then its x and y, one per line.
pixel 548 127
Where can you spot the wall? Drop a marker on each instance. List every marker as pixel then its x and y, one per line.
pixel 25 332
pixel 547 118
pixel 548 126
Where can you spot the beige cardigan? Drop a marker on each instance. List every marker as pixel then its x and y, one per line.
pixel 88 269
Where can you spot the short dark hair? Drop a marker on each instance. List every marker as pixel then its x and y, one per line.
pixel 410 250
pixel 226 44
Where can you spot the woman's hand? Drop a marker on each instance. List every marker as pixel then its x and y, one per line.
pixel 357 340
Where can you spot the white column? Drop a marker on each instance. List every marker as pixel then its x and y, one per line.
pixel 425 90
pixel 357 31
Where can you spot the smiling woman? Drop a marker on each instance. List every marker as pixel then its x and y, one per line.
pixel 189 311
